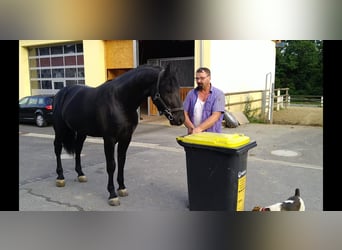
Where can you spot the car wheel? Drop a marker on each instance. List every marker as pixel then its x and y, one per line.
pixel 40 121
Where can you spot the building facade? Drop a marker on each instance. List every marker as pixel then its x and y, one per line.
pixel 45 66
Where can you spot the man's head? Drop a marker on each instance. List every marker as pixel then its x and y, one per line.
pixel 203 78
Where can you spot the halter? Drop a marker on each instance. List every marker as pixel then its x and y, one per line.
pixel 158 101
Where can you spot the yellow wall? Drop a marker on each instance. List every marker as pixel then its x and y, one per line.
pixel 24 76
pixel 202 54
pixel 94 62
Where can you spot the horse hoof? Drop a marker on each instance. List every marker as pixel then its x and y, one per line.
pixel 122 192
pixel 82 178
pixel 114 201
pixel 60 183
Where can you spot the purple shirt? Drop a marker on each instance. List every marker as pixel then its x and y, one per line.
pixel 215 102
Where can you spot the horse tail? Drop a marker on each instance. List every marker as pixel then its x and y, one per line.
pixel 68 138
pixel 69 141
pixel 58 101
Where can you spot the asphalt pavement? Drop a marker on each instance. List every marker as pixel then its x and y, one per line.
pixel 286 157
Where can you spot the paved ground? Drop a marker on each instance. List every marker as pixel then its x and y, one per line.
pixel 286 157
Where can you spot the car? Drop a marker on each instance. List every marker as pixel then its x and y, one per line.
pixel 36 109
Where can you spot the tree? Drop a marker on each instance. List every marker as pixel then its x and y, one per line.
pixel 299 67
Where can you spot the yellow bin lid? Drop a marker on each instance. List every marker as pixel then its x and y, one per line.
pixel 216 139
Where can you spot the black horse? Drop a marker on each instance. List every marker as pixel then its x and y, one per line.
pixel 110 111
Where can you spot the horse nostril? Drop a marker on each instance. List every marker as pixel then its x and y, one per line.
pixel 180 121
pixel 176 122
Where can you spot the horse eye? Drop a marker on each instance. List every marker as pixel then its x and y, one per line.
pixel 168 88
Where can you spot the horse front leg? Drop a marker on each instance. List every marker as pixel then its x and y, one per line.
pixel 78 149
pixel 109 147
pixel 122 150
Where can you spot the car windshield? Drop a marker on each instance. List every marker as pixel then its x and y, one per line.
pixel 23 100
pixel 33 100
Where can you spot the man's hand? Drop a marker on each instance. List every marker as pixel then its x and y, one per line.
pixel 196 130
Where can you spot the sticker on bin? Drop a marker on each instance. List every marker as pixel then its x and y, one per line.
pixel 216 139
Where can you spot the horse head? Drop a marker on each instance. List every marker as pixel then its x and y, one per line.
pixel 167 98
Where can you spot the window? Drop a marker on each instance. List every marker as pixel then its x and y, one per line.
pixel 33 101
pixel 44 51
pixel 46 73
pixel 70 60
pixel 57 61
pixel 46 84
pixel 63 63
pixel 71 82
pixel 56 50
pixel 41 101
pixel 80 72
pixel 70 72
pixel 183 66
pixel 80 60
pixel 58 85
pixel 69 48
pixel 58 73
pixel 45 62
pixel 79 47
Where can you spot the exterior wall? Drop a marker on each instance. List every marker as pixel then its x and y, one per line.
pixel 94 62
pixel 242 65
pixel 202 54
pixel 120 57
pixel 238 66
pixel 24 75
pixel 119 54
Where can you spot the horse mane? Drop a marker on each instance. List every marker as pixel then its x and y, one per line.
pixel 136 72
pixel 132 75
pixel 136 77
pixel 153 66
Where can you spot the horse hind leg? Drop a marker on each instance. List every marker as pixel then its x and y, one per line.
pixel 60 182
pixel 80 138
pixel 64 138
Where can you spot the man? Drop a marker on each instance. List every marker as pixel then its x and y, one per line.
pixel 204 106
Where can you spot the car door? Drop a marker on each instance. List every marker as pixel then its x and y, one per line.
pixel 32 107
pixel 28 110
pixel 23 108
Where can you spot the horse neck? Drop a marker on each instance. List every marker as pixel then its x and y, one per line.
pixel 133 90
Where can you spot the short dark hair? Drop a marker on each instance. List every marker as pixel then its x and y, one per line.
pixel 203 69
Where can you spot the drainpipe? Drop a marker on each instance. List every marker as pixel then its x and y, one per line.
pixel 135 64
pixel 201 53
pixel 269 86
